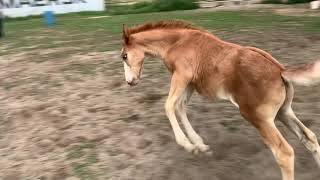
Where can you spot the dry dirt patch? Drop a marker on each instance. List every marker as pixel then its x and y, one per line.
pixel 66 114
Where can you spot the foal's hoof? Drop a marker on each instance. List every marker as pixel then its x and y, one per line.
pixel 202 150
pixel 205 149
pixel 195 151
pixel 208 153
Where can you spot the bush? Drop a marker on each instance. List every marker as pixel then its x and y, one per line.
pixel 153 6
pixel 288 1
pixel 171 5
pixel 299 1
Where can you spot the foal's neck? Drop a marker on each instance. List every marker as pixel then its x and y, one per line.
pixel 157 42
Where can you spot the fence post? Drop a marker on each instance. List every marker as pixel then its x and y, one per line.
pixel 315 4
pixel 49 18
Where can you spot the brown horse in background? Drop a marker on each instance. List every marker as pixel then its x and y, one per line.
pixel 248 77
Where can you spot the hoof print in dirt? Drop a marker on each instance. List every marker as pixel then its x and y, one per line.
pixel 151 98
pixel 131 118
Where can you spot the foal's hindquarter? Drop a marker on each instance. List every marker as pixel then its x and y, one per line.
pixel 249 80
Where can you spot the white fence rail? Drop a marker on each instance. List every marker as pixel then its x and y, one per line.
pixel 23 8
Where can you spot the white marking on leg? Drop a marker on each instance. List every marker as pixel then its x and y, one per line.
pixel 192 134
pixel 180 137
pixel 194 137
pixel 224 95
pixel 233 102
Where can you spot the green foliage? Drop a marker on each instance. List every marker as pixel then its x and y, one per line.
pixel 170 5
pixel 288 1
pixel 298 1
pixel 153 6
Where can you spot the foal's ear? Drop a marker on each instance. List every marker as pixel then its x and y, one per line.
pixel 125 34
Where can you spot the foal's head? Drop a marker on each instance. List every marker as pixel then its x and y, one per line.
pixel 136 46
pixel 132 56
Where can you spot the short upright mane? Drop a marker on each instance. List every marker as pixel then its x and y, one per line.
pixel 167 24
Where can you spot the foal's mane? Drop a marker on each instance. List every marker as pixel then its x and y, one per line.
pixel 165 24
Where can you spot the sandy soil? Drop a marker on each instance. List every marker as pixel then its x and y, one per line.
pixel 73 117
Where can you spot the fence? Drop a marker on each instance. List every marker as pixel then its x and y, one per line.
pixel 19 8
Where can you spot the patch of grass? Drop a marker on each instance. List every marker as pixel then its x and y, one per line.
pixel 72 78
pixel 75 153
pixel 103 34
pixel 92 158
pixel 82 68
pixel 78 151
pixel 44 80
pixel 105 48
pixel 9 85
pixel 82 171
pixel 84 156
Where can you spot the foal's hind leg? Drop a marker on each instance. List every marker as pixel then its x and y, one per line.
pixel 306 136
pixel 280 148
pixel 287 116
pixel 282 151
pixel 181 112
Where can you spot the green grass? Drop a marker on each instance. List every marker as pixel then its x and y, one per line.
pixel 83 157
pixel 76 30
pixel 82 171
pixel 82 68
pixel 78 151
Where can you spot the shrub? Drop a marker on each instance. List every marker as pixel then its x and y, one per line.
pixel 153 6
pixel 288 1
pixel 171 5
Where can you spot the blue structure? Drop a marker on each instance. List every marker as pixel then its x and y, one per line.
pixel 49 18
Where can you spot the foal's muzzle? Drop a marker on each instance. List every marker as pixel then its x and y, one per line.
pixel 133 82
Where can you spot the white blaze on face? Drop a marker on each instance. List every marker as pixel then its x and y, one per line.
pixel 128 73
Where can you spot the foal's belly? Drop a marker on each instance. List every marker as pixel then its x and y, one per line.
pixel 207 87
pixel 214 92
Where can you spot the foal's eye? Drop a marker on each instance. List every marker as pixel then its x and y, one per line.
pixel 125 57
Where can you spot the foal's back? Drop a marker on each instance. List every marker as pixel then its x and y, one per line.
pixel 229 71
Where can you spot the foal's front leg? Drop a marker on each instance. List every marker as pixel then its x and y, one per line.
pixel 178 87
pixel 192 134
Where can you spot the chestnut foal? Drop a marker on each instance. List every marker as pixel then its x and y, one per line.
pixel 248 77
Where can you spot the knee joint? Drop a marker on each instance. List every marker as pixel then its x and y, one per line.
pixel 285 156
pixel 312 137
pixel 169 106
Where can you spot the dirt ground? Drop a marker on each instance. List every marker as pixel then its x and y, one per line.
pixel 73 117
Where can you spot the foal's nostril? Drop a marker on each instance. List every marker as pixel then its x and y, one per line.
pixel 132 83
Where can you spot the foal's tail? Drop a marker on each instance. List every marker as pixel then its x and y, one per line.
pixel 305 75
